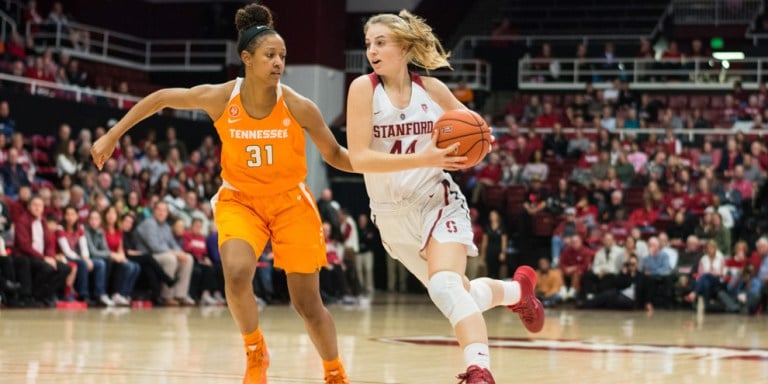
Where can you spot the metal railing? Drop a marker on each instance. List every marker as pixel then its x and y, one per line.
pixel 466 46
pixel 97 44
pixel 715 12
pixel 690 134
pixel 83 95
pixel 7 26
pixel 476 73
pixel 686 74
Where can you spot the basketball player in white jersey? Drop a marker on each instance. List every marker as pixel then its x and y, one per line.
pixel 421 213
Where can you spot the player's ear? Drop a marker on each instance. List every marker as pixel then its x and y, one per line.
pixel 246 57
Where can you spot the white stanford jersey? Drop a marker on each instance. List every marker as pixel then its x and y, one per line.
pixel 402 131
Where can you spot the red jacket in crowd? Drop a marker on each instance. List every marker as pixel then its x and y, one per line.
pixel 581 258
pixel 23 237
pixel 194 244
pixel 642 217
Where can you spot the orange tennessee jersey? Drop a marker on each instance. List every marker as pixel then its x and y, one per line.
pixel 261 156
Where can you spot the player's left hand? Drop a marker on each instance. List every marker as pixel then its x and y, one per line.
pixel 102 149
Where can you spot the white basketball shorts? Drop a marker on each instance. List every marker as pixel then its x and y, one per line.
pixel 440 214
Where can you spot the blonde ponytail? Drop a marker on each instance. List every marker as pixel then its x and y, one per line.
pixel 424 49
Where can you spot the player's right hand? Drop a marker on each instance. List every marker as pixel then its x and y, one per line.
pixel 444 158
pixel 102 149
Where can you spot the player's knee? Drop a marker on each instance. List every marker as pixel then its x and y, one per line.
pixel 482 294
pixel 237 278
pixel 446 289
pixel 309 310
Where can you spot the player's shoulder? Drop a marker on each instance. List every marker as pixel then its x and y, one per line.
pixel 298 104
pixel 364 83
pixel 215 91
pixel 432 84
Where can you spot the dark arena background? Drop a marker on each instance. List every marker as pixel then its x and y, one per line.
pixel 629 169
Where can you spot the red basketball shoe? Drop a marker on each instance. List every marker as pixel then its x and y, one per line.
pixel 476 375
pixel 529 308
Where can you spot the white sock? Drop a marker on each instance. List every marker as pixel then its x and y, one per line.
pixel 511 292
pixel 477 354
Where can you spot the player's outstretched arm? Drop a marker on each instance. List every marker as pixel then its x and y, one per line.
pixel 309 117
pixel 360 135
pixel 205 97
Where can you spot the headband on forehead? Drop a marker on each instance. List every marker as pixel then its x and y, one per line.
pixel 249 34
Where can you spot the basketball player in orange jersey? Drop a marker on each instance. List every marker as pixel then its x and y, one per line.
pixel 421 213
pixel 261 124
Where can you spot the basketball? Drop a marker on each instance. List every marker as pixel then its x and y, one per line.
pixel 469 130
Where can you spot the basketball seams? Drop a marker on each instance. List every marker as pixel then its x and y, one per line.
pixel 466 125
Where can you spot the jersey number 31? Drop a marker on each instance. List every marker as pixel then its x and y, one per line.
pixel 256 156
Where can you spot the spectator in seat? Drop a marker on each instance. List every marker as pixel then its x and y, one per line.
pixel 626 291
pixel 637 158
pixel 579 144
pixel 333 283
pixel 14 175
pixel 702 199
pixel 730 159
pixel 556 144
pixel 532 110
pixel 606 265
pixel 489 175
pixel 608 120
pixel 7 123
pixel 671 59
pixel 348 238
pixel 493 247
pixel 124 271
pixel 697 120
pixel 583 171
pixel 41 275
pixel 760 155
pixel 155 238
pixel 535 168
pixel 151 272
pixel 752 171
pixel 722 235
pixel 547 118
pixel 535 202
pixel 644 217
pixel 619 227
pixel 464 94
pixel 367 240
pixel 575 261
pixel 741 184
pixel 15 49
pixel 171 141
pixel 510 171
pixel 561 198
pixel 669 248
pixel 522 151
pixel 625 171
pixel 688 263
pixel 567 228
pixel 72 242
pixel 210 274
pixel 745 289
pixel 66 161
pixel 549 283
pixel 656 268
pixel 635 246
pixel 709 276
pixel 677 200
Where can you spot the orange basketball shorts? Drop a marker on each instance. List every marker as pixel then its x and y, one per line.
pixel 289 218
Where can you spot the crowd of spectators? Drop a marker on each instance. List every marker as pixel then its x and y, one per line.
pixel 611 199
pixel 140 229
pixel 34 56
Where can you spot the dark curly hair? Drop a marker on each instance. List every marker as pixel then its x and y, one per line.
pixel 252 15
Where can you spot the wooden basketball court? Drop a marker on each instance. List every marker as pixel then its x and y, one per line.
pixel 396 339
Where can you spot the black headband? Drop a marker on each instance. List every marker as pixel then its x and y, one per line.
pixel 249 34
